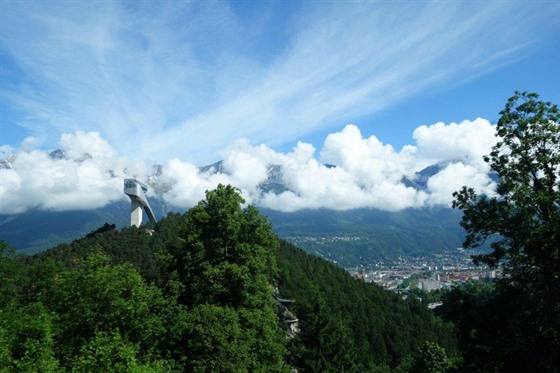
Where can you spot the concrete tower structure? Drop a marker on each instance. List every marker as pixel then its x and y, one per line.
pixel 135 190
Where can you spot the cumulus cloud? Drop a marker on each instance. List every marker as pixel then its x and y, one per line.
pixel 452 178
pixel 464 142
pixel 80 143
pixel 36 180
pixel 351 171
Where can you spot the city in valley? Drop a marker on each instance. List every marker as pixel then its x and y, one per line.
pixel 426 273
pixel 444 270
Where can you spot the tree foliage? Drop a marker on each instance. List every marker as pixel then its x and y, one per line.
pixel 522 221
pixel 228 262
pixel 196 296
pixel 432 358
pixel 350 325
pixel 524 216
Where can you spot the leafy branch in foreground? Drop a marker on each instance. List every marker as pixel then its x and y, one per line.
pixel 522 221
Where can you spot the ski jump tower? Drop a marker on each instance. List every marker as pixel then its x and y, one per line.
pixel 135 190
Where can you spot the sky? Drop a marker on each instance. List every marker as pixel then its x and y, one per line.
pixel 381 89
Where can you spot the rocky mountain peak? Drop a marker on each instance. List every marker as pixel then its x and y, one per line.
pixel 58 154
pixel 8 162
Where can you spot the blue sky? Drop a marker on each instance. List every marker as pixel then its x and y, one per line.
pixel 260 82
pixel 181 79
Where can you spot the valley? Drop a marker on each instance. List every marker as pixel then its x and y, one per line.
pixel 347 238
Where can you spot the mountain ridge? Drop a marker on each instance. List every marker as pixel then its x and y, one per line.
pixel 371 234
pixel 379 234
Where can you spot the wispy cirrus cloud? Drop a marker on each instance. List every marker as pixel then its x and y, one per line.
pixel 181 79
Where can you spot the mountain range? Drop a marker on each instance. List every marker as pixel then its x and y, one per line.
pixel 349 237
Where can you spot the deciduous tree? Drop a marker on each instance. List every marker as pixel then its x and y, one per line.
pixel 228 270
pixel 522 221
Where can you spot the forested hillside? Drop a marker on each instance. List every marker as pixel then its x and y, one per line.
pixel 194 294
pixel 363 236
pixel 352 237
pixel 350 325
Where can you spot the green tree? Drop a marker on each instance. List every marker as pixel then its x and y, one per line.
pixel 324 343
pixel 358 324
pixel 227 267
pixel 96 297
pixel 431 358
pixel 522 222
pixel 228 257
pixel 26 339
pixel 109 352
pixel 525 214
pixel 12 275
pixel 216 341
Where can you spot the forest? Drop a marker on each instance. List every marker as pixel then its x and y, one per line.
pixel 206 290
pixel 195 293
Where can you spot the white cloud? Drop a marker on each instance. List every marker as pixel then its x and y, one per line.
pixel 247 165
pixel 188 185
pixel 80 143
pixel 29 143
pixel 367 159
pixel 368 173
pixel 466 142
pixel 37 180
pixel 442 185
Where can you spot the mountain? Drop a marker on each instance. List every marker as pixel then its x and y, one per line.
pixel 346 237
pixel 36 230
pixel 420 179
pixel 363 236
